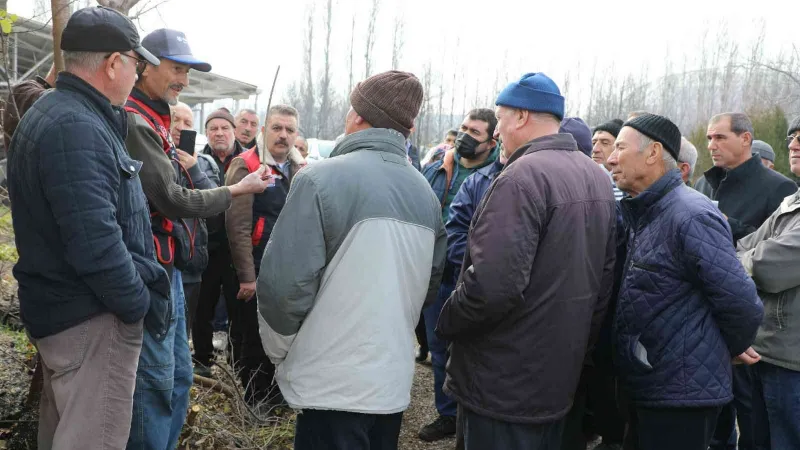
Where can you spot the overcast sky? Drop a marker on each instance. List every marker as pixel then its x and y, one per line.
pixel 246 39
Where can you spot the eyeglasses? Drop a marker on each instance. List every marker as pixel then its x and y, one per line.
pixel 141 64
pixel 791 138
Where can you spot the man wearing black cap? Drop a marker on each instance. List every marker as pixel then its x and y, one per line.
pixel 88 279
pixel 686 307
pixel 165 367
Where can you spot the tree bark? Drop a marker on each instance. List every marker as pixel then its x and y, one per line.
pixel 60 9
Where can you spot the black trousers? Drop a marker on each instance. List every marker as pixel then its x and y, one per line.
pixel 255 369
pixel 191 292
pixel 482 432
pixel 670 428
pixel 339 430
pixel 422 335
pixel 601 404
pixel 741 410
pixel 219 275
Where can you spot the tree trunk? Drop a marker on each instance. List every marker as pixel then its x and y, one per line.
pixel 61 14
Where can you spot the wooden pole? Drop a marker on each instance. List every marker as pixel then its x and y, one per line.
pixel 269 104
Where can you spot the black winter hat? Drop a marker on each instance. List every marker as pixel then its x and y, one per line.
pixel 659 129
pixel 611 127
pixel 794 126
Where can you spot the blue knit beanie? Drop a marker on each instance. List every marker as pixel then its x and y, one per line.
pixel 533 92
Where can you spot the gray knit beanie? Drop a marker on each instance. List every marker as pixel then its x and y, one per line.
pixel 389 100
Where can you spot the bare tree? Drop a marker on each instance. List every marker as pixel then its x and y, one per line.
pixel 123 6
pixel 398 41
pixel 308 81
pixel 60 10
pixel 373 18
pixel 352 47
pixel 325 83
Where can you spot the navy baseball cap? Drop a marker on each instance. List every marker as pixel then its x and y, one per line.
pixel 100 29
pixel 172 45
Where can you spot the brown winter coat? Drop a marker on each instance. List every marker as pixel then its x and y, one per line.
pixel 534 286
pixel 239 218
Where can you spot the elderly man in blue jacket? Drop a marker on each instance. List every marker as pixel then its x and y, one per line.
pixel 686 306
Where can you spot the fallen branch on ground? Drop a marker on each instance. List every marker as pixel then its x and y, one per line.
pixel 215 385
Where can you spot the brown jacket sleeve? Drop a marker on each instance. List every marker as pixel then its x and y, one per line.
pixel 158 178
pixel 239 225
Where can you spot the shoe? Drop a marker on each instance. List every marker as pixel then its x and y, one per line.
pixel 441 428
pixel 422 355
pixel 219 341
pixel 201 370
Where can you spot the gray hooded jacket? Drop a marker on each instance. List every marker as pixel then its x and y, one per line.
pixel 357 250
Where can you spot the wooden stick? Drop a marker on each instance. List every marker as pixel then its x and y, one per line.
pixel 214 385
pixel 269 104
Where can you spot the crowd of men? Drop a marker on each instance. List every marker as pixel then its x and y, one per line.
pixel 568 282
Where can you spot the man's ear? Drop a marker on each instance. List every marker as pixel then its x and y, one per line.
pixel 111 64
pixel 655 152
pixel 522 117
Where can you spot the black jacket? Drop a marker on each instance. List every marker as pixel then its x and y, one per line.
pixel 748 194
pixel 536 279
pixel 80 216
pixel 217 236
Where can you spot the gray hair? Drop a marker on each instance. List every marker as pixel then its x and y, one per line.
pixel 669 161
pixel 688 155
pixel 246 111
pixel 88 61
pixel 740 123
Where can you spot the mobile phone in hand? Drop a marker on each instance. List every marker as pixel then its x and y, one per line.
pixel 187 141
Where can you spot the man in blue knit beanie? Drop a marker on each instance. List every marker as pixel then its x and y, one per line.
pixel 536 278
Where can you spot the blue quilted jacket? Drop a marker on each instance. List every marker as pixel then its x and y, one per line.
pixel 685 303
pixel 80 217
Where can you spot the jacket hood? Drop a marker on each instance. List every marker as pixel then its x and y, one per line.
pixel 366 140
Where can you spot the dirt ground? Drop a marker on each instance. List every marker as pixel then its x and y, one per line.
pixel 421 412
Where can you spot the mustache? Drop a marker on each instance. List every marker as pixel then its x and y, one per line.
pixel 178 87
pixel 282 142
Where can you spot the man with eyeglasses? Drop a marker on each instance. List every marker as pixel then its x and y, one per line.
pixel 88 279
pixel 748 193
pixel 770 257
pixel 175 188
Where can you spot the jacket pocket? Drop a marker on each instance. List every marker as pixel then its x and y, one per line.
pixel 636 355
pixel 645 267
pixel 258 231
pixel 66 350
pixel 781 310
pixel 159 316
pixel 131 196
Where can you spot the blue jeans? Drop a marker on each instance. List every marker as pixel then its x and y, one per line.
pixel 438 349
pixel 781 391
pixel 163 379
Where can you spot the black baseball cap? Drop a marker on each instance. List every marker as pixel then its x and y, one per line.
pixel 101 29
pixel 172 45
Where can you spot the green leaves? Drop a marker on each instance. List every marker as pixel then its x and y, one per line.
pixel 6 20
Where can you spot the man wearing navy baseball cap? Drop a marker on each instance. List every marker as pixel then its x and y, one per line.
pixel 175 188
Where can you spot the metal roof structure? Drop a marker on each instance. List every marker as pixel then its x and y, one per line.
pixel 31 53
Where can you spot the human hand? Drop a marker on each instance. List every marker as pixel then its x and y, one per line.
pixel 187 161
pixel 254 183
pixel 246 291
pixel 749 357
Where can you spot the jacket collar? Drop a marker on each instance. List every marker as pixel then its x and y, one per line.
pixel 790 203
pixel 638 205
pixel 159 106
pixel 67 81
pixel 366 140
pixel 295 158
pixel 560 141
pixel 716 175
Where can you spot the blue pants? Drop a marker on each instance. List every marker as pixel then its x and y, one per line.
pixel 163 379
pixel 438 349
pixel 781 393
